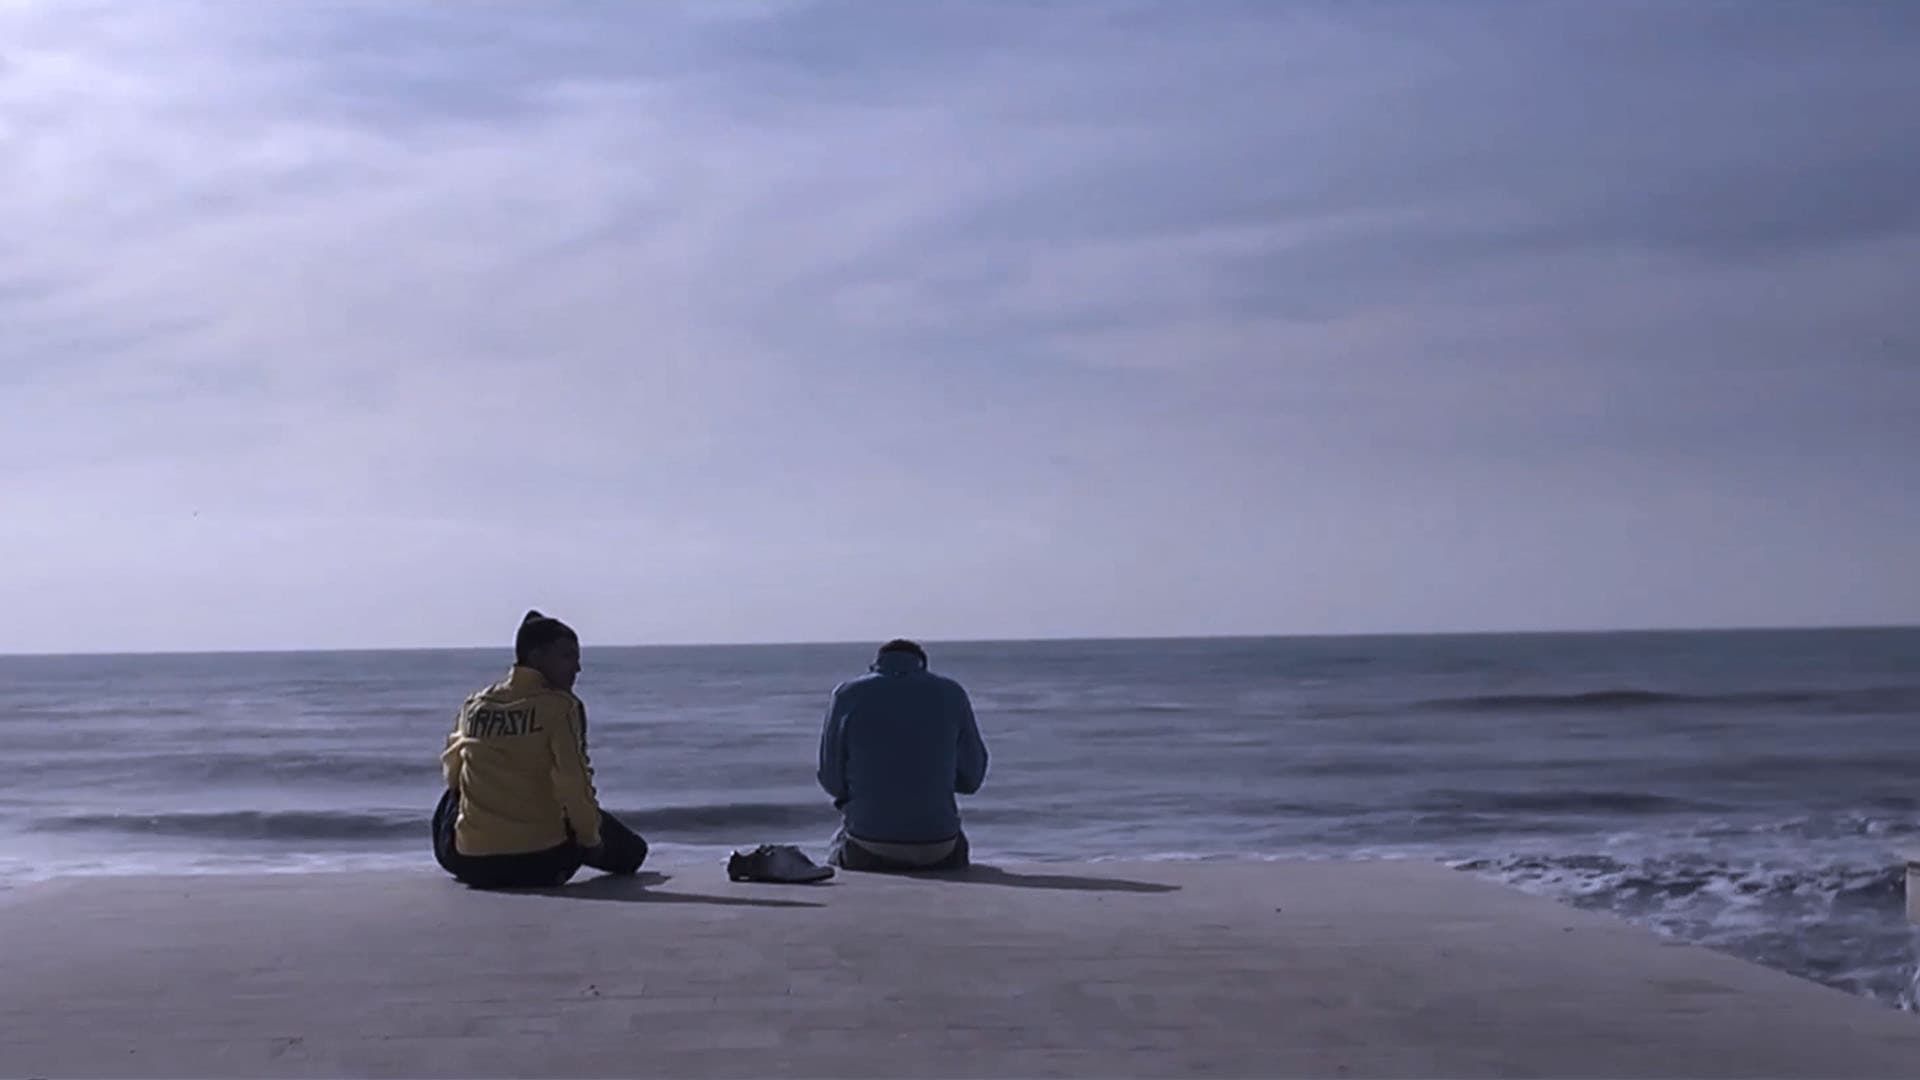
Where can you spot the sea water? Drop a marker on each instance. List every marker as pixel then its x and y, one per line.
pixel 1752 791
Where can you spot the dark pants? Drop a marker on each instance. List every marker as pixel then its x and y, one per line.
pixel 621 852
pixel 847 854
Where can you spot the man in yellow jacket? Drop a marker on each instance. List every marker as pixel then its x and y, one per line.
pixel 520 810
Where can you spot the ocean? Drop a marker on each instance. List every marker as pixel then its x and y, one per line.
pixel 1752 791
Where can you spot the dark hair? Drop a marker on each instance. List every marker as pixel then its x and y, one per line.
pixel 901 644
pixel 537 631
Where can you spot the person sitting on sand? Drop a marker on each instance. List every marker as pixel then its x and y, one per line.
pixel 520 809
pixel 898 744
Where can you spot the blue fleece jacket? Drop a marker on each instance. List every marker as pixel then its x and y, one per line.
pixel 898 744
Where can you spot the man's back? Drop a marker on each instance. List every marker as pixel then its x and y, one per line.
pixel 518 759
pixel 897 745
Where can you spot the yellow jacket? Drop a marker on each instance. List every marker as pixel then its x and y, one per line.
pixel 518 758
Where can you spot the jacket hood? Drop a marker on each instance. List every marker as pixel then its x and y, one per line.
pixel 524 682
pixel 898 663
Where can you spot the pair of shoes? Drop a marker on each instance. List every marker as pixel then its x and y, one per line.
pixel 781 863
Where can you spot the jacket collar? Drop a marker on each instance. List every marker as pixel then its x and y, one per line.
pixel 525 680
pixel 898 663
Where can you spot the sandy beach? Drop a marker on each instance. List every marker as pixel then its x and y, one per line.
pixel 1230 969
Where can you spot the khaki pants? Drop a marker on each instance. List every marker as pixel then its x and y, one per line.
pixel 847 854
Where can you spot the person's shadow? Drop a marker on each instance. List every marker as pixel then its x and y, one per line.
pixel 638 889
pixel 992 875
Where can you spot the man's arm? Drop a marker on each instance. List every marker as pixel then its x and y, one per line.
pixel 573 774
pixel 973 750
pixel 833 753
pixel 449 758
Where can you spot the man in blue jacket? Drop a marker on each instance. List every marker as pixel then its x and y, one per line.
pixel 898 744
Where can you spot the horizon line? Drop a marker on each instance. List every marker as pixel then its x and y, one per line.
pixel 1045 639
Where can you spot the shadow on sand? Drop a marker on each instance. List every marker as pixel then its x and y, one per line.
pixel 638 889
pixel 993 875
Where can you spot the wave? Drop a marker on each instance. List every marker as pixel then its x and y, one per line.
pixel 1561 802
pixel 1616 698
pixel 245 824
pixel 1610 882
pixel 1840 924
pixel 1054 708
pixel 1822 769
pixel 1823 828
pixel 294 825
pixel 221 767
pixel 708 817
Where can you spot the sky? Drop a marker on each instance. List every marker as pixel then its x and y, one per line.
pixel 376 324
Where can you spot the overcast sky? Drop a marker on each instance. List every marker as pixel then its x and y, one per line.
pixel 376 324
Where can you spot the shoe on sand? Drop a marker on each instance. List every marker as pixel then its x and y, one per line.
pixel 780 863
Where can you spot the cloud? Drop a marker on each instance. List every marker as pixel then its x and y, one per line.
pixel 744 300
